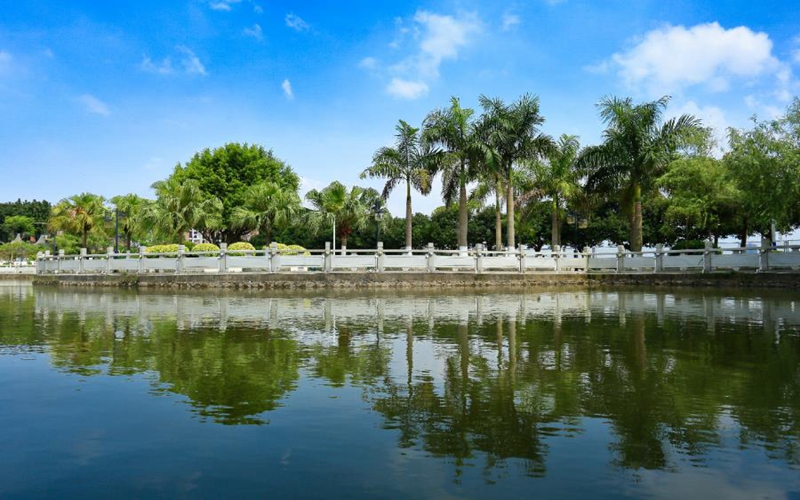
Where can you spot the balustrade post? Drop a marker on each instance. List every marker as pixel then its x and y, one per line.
pixel 431 258
pixel 763 254
pixel 659 266
pixel 479 258
pixel 109 260
pixel 223 258
pixel 620 258
pixel 81 261
pixel 142 252
pixel 59 260
pixel 40 264
pixel 521 257
pixel 707 255
pixel 327 258
pixel 274 258
pixel 180 263
pixel 556 251
pixel 585 255
pixel 379 258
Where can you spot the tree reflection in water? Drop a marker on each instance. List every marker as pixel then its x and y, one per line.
pixel 487 380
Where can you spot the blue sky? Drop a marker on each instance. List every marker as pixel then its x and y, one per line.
pixel 107 97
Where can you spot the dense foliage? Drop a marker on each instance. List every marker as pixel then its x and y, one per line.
pixel 651 180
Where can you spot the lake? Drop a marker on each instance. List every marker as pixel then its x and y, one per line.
pixel 548 394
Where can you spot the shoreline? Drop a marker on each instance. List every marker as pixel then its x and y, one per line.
pixel 410 280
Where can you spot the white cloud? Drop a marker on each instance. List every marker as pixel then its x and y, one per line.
pixel 162 68
pixel 93 105
pixel 287 89
pixel 510 21
pixel 406 89
pixel 254 32
pixel 796 56
pixel 673 58
pixel 440 38
pixel 191 63
pixel 296 22
pixel 258 9
pixel 712 116
pixel 368 63
pixel 223 5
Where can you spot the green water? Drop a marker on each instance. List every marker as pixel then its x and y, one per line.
pixel 552 394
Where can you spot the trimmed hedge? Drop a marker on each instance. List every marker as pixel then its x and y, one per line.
pixel 170 248
pixel 292 250
pixel 205 247
pixel 240 245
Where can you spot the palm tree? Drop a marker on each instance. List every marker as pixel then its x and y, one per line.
pixel 454 130
pixel 557 178
pixel 79 214
pixel 131 209
pixel 181 206
pixel 490 183
pixel 512 135
pixel 409 161
pixel 266 205
pixel 348 209
pixel 637 147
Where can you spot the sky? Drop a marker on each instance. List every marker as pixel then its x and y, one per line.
pixel 107 97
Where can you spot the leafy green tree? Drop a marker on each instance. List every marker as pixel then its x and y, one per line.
pixel 228 171
pixel 38 211
pixel 347 209
pixel 180 206
pixel 409 161
pixel 512 136
pixel 703 198
pixel 131 210
pixel 557 178
pixel 266 206
pixel 636 149
pixel 19 249
pixel 19 224
pixel 454 130
pixel 765 164
pixel 79 215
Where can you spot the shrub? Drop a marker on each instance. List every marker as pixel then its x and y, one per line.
pixel 205 247
pixel 170 248
pixel 241 245
pixel 292 250
pixel 189 245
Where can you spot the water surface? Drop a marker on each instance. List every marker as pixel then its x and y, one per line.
pixel 569 394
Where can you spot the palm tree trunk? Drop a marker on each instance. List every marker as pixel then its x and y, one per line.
pixel 462 210
pixel 555 238
pixel 636 221
pixel 498 218
pixel 510 213
pixel 343 241
pixel 84 238
pixel 408 214
pixel 268 231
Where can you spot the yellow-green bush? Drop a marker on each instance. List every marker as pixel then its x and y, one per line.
pixel 170 248
pixel 292 250
pixel 240 245
pixel 205 247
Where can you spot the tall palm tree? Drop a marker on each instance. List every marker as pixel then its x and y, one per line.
pixel 266 205
pixel 130 208
pixel 181 206
pixel 557 178
pixel 637 147
pixel 511 132
pixel 490 183
pixel 348 209
pixel 409 161
pixel 453 129
pixel 79 214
